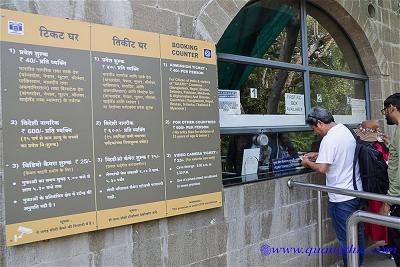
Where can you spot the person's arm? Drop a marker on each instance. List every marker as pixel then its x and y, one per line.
pixel 291 149
pixel 392 185
pixel 394 182
pixel 318 167
pixel 386 140
pixel 385 208
pixel 311 155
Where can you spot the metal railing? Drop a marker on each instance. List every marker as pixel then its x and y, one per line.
pixel 368 217
pixel 355 218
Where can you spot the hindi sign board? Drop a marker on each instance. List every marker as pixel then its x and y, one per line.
pixel 104 126
pixel 48 153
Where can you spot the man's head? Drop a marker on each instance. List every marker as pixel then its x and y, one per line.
pixel 391 109
pixel 321 120
pixel 283 137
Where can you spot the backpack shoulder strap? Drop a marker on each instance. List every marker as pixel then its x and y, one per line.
pixel 352 132
pixel 355 160
pixel 356 154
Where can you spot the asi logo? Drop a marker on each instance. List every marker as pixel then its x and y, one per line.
pixel 207 53
pixel 15 27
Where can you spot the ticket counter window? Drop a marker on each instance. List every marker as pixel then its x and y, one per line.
pixel 344 98
pixel 257 92
pixel 249 157
pixel 276 60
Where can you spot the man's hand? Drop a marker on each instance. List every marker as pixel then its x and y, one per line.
pixel 384 209
pixel 311 155
pixel 386 139
pixel 318 167
pixel 305 161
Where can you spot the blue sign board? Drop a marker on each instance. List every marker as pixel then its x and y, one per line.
pixel 285 164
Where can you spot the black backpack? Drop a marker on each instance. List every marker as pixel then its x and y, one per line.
pixel 373 168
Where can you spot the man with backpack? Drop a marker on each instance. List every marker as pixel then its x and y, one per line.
pixel 335 159
pixel 391 111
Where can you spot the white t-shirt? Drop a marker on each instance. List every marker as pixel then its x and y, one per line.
pixel 337 149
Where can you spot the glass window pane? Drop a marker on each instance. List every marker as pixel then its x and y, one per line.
pixel 265 29
pixel 345 98
pixel 278 156
pixel 262 91
pixel 328 45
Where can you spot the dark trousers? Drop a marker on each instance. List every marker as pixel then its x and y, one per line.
pixel 340 212
pixel 394 236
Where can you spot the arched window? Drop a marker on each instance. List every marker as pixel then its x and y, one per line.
pixel 276 60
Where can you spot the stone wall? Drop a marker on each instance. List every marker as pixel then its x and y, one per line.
pixel 266 212
pixel 253 214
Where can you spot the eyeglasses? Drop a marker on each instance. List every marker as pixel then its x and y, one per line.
pixel 383 111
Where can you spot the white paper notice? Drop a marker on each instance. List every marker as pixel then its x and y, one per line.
pixel 357 107
pixel 229 102
pixel 294 104
pixel 253 92
pixel 250 160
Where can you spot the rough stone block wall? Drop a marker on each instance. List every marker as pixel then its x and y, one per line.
pixel 266 212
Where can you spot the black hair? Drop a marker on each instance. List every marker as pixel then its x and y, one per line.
pixel 319 114
pixel 393 100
